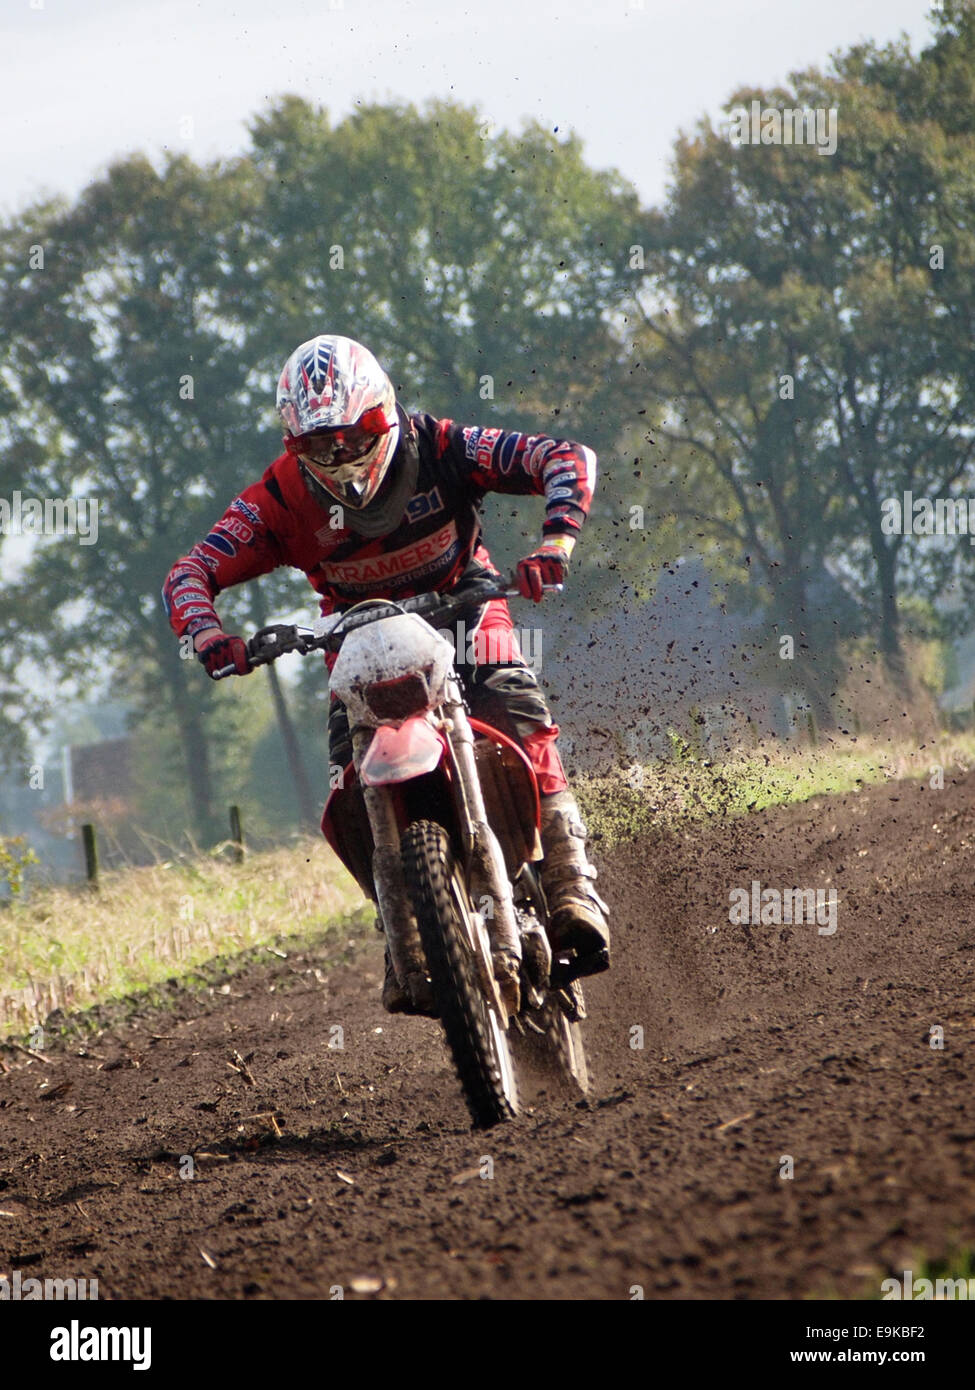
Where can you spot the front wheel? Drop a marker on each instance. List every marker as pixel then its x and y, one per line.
pixel 475 1032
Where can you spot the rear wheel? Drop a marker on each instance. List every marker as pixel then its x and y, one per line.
pixel 552 1044
pixel 474 1029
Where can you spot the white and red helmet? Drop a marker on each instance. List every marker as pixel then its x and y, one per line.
pixel 344 426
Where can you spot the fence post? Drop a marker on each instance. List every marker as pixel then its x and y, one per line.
pixel 91 854
pixel 237 834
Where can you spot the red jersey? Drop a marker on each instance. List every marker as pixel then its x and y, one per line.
pixel 277 522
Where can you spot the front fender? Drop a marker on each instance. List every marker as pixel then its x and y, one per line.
pixel 399 755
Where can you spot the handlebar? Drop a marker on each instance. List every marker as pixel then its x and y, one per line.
pixel 439 610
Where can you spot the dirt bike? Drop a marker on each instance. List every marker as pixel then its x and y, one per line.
pixel 437 819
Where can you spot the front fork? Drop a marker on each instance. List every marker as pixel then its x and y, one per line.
pixel 489 888
pixel 395 910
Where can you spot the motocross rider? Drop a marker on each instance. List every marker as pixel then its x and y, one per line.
pixel 373 503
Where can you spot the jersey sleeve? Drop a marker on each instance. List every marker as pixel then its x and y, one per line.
pixel 241 546
pixel 497 460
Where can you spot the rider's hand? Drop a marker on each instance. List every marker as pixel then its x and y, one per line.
pixel 549 564
pixel 216 649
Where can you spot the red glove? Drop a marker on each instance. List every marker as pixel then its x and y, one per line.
pixel 223 650
pixel 549 564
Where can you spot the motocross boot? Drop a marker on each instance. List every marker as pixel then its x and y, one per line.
pixel 394 995
pixel 396 1000
pixel 577 914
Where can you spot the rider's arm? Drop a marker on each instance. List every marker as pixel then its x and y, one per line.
pixel 241 546
pixel 495 460
pixel 562 471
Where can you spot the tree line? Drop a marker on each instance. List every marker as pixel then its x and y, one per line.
pixel 760 363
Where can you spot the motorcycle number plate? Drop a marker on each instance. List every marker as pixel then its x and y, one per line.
pixel 398 755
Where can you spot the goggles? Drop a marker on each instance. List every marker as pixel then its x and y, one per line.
pixel 335 448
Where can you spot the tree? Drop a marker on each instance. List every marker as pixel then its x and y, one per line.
pixel 458 253
pixel 125 393
pixel 799 329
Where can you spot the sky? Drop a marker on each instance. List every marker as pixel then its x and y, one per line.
pixel 83 81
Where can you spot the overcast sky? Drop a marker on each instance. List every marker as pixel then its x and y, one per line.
pixel 82 81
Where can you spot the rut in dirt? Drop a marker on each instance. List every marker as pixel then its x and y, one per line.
pixel 723 1056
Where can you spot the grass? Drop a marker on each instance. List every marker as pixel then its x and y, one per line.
pixel 957 1264
pixel 68 948
pixel 672 795
pixel 64 949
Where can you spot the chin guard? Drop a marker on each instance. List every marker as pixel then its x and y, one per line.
pixel 384 512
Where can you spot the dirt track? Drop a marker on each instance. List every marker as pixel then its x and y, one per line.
pixel 759 1042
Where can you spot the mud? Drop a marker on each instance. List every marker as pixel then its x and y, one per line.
pixel 320 1167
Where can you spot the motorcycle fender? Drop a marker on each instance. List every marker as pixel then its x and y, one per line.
pixel 345 825
pixel 510 795
pixel 399 755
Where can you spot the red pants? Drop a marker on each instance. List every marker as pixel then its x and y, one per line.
pixel 502 689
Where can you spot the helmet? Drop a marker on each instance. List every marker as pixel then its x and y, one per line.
pixel 345 428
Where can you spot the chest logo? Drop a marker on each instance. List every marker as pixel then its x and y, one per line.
pixel 424 504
